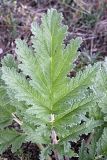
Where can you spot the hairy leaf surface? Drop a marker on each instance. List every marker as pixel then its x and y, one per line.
pixel 51 102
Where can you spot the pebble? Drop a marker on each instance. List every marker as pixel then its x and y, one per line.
pixel 1 50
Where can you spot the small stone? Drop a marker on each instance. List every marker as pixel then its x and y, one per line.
pixel 1 50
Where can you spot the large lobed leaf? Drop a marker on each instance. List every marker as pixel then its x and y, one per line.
pixel 40 81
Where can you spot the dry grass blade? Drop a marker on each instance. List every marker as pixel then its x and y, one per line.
pixel 87 7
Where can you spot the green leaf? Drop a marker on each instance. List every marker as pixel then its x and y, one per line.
pixel 45 153
pixel 77 130
pixel 102 143
pixel 9 61
pixel 10 138
pixel 22 89
pixel 83 155
pixel 76 85
pixel 100 88
pixel 6 108
pixel 77 109
pixel 40 89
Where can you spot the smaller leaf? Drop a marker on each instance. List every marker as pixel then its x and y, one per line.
pixel 10 138
pixel 102 143
pixel 77 130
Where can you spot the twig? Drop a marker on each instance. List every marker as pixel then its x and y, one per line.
pixel 16 119
pixel 90 138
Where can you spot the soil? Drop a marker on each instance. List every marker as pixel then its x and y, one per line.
pixel 30 152
pixel 88 21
